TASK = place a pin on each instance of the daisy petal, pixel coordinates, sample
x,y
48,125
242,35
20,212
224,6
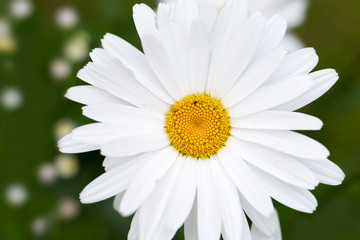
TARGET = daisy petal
x,y
117,200
126,146
208,213
277,120
208,14
258,234
145,179
191,224
275,163
299,199
136,61
300,62
102,133
182,198
254,77
326,171
89,95
153,210
248,184
292,43
245,231
134,228
288,142
185,12
68,145
229,202
199,55
121,114
101,57
294,12
232,15
323,81
230,60
112,182
120,82
161,64
272,95
144,18
173,202
274,32
266,225
174,41
111,162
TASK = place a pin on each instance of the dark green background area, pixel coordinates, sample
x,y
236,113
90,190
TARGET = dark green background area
x,y
27,141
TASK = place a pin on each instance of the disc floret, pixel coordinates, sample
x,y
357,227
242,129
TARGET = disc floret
x,y
197,125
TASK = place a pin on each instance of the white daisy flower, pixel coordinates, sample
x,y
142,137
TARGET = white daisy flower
x,y
199,129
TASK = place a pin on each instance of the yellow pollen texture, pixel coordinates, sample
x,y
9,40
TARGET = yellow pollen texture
x,y
198,125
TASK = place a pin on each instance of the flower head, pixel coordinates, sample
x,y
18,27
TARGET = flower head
x,y
198,129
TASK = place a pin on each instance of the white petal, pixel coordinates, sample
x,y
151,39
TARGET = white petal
x,y
326,171
245,180
174,41
323,81
117,201
232,15
300,62
91,95
254,76
119,81
208,14
126,146
145,180
144,18
153,210
272,95
185,12
134,228
199,55
277,120
162,232
267,225
161,64
102,133
169,205
208,208
274,32
136,61
191,224
111,162
285,141
183,195
229,201
294,12
230,60
297,198
257,234
112,182
121,114
101,57
245,231
275,163
68,145
291,42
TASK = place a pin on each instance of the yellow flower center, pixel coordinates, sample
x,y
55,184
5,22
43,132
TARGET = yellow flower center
x,y
197,125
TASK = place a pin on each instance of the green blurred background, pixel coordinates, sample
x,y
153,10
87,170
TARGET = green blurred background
x,y
44,44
